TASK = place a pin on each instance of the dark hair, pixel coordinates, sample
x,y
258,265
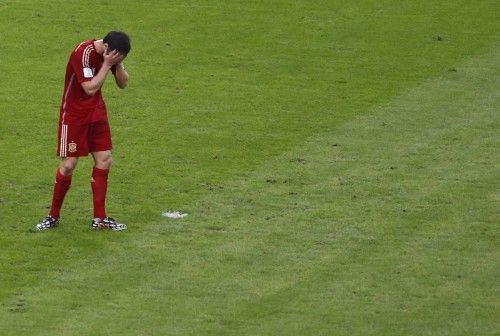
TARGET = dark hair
x,y
119,41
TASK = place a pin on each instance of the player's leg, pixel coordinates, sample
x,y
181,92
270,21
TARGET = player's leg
x,y
62,184
71,145
101,152
99,181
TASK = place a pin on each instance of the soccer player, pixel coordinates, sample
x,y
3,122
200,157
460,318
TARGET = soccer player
x,y
83,123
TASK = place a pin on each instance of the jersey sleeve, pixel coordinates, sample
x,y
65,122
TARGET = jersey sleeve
x,y
80,62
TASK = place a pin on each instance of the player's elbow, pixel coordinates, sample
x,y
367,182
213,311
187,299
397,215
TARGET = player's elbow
x,y
90,92
121,82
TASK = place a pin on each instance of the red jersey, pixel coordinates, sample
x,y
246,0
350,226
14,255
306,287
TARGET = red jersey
x,y
77,107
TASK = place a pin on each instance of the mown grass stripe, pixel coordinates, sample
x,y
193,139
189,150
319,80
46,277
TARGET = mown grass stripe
x,y
322,259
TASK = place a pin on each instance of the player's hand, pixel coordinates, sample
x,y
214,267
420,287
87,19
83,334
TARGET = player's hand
x,y
112,57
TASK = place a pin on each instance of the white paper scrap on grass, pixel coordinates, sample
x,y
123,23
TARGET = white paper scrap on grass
x,y
174,214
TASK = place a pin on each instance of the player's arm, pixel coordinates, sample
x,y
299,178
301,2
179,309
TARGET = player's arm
x,y
121,75
92,86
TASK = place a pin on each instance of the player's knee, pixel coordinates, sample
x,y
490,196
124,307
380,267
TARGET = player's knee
x,y
67,166
105,162
109,161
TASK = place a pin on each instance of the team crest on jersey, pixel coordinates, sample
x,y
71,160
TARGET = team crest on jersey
x,y
72,147
88,72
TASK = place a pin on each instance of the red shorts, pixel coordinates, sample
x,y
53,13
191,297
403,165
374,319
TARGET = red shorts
x,y
80,140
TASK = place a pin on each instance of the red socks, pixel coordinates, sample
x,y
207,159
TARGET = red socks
x,y
99,184
61,186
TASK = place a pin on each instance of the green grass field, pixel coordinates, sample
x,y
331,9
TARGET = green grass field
x,y
339,161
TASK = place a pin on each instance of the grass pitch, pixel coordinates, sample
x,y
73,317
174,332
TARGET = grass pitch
x,y
339,163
